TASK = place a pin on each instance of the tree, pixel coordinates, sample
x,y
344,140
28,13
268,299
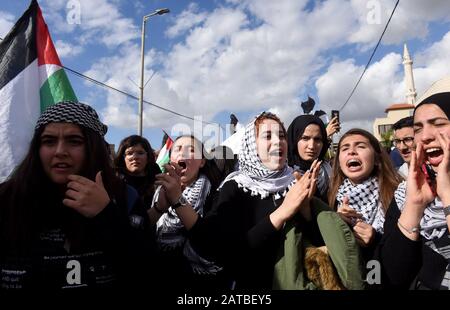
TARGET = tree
x,y
386,139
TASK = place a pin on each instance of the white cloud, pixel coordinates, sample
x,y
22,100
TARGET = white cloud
x,y
411,19
228,63
6,23
121,111
186,20
98,21
253,55
373,95
65,49
432,64
383,84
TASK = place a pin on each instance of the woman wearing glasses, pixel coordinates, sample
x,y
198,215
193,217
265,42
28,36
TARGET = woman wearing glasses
x,y
135,163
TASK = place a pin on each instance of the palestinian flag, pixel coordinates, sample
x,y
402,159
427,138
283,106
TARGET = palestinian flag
x,y
164,153
31,78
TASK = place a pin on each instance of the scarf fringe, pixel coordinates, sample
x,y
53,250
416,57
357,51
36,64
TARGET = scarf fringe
x,y
264,194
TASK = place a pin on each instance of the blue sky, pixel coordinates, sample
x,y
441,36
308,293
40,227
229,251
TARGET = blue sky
x,y
210,58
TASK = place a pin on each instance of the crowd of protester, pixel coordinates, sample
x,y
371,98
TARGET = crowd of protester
x,y
280,214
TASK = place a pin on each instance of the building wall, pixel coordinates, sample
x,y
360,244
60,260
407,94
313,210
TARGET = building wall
x,y
387,122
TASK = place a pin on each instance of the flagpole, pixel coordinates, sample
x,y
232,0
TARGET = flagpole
x,y
141,86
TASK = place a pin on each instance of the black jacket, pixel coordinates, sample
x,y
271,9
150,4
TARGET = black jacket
x,y
238,234
405,262
68,250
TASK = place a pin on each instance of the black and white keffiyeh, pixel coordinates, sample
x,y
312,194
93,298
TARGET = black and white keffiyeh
x,y
72,112
169,226
433,226
433,223
170,229
365,199
253,176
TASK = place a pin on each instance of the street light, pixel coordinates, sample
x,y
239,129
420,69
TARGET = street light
x,y
141,87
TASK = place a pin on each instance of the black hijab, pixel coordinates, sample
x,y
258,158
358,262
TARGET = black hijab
x,y
442,100
295,132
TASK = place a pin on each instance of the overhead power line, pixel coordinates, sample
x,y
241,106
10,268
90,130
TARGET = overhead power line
x,y
130,95
371,56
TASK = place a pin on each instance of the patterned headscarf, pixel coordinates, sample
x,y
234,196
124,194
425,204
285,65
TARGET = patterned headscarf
x,y
253,176
72,112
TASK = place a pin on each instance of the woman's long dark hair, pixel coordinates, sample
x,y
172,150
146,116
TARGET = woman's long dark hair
x,y
133,140
28,191
146,189
388,178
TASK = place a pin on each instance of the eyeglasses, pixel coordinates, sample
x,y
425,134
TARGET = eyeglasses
x,y
408,141
136,153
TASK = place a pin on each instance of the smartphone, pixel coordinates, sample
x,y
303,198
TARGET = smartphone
x,y
335,113
431,175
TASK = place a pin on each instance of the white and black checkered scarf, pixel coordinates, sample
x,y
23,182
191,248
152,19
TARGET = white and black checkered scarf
x,y
253,176
170,232
433,226
365,199
169,227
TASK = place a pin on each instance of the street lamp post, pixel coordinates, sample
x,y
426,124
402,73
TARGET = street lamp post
x,y
141,87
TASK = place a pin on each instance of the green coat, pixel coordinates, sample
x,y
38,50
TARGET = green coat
x,y
289,271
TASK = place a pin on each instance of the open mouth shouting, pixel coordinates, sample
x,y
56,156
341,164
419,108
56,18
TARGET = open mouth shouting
x,y
183,165
354,165
434,155
276,153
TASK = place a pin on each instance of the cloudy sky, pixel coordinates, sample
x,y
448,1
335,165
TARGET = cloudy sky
x,y
210,58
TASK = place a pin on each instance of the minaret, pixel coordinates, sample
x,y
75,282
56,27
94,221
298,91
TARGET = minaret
x,y
409,78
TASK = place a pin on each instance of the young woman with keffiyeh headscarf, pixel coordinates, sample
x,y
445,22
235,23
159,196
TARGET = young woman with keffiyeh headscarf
x,y
362,187
243,231
416,241
308,141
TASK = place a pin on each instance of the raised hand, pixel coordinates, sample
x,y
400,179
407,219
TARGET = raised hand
x,y
293,200
333,126
86,197
418,190
348,214
363,232
170,182
443,173
315,168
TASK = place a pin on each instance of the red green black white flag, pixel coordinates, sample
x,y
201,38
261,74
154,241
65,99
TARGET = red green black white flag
x,y
31,79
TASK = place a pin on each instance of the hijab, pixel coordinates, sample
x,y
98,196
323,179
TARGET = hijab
x,y
295,132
